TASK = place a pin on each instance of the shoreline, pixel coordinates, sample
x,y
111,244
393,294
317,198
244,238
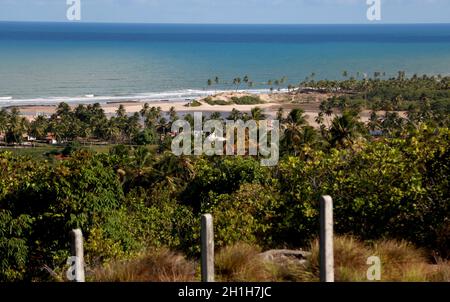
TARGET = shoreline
x,y
270,108
309,102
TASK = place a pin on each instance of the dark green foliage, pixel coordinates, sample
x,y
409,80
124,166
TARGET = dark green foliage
x,y
70,148
146,137
212,102
247,100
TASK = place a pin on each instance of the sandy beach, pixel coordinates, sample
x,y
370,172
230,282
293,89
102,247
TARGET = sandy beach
x,y
309,102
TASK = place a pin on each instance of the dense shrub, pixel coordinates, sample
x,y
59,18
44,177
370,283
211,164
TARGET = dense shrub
x,y
385,189
247,215
48,202
247,100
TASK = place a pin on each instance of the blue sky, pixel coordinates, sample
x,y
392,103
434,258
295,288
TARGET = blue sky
x,y
228,11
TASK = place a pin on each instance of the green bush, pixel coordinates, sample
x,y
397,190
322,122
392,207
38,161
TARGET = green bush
x,y
396,188
247,215
247,100
47,202
212,102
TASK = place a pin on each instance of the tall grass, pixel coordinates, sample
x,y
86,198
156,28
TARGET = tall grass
x,y
400,262
159,265
241,263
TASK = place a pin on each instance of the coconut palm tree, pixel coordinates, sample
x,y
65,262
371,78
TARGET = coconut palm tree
x,y
16,126
237,82
257,114
3,120
216,116
209,82
270,84
39,127
277,83
234,115
216,81
344,129
173,114
293,127
246,79
145,109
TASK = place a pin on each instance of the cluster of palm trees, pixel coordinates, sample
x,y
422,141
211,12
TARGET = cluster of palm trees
x,y
13,125
238,81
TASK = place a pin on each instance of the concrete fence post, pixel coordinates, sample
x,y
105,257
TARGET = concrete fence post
x,y
78,255
207,237
326,240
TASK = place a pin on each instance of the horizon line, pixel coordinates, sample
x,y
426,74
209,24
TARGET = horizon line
x,y
183,23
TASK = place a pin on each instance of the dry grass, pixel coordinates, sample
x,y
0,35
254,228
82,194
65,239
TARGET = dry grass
x,y
350,256
240,263
155,266
400,262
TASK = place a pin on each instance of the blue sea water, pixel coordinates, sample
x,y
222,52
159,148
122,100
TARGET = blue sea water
x,y
52,62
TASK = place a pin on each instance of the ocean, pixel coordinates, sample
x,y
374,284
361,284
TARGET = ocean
x,y
44,63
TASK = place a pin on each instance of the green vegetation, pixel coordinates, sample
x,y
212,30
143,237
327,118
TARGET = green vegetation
x,y
138,201
212,102
194,103
247,100
244,100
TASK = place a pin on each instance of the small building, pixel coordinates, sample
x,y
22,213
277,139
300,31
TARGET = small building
x,y
51,139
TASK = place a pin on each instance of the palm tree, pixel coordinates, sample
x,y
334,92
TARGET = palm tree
x,y
63,109
297,116
293,127
3,120
216,81
270,83
344,129
237,82
209,82
216,116
246,79
16,126
172,171
320,118
121,111
257,114
173,114
38,127
234,115
144,110
277,83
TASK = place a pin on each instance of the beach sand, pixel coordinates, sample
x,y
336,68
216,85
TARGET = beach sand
x,y
309,102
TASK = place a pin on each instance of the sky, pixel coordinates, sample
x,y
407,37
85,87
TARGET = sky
x,y
229,11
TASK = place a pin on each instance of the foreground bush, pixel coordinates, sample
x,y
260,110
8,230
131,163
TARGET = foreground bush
x,y
395,188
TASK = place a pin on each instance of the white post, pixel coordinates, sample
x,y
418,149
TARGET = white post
x,y
326,240
78,253
207,237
